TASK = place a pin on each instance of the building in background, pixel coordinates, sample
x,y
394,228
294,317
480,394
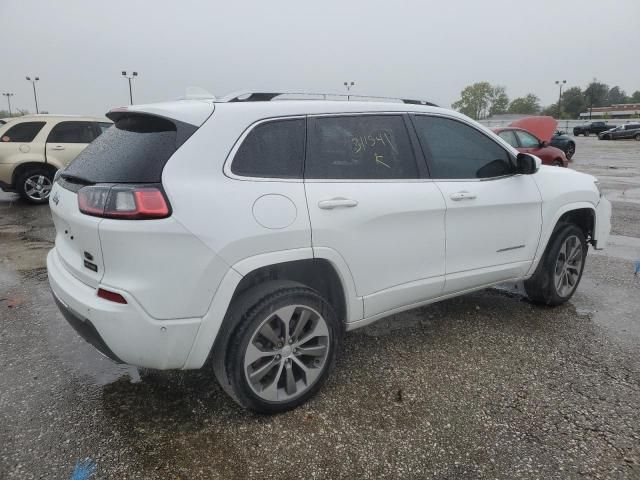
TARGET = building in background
x,y
620,110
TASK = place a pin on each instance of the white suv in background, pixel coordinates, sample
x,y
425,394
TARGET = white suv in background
x,y
248,234
34,147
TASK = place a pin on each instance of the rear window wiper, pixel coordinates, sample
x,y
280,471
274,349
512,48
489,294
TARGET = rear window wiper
x,y
76,179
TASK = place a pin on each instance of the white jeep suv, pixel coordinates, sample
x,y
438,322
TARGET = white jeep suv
x,y
248,234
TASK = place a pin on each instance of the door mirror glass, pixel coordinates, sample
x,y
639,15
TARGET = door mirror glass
x,y
527,164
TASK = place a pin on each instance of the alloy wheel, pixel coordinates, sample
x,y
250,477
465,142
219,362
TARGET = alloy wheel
x,y
37,187
287,353
568,266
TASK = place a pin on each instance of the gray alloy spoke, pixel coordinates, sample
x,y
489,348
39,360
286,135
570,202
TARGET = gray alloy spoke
x,y
270,391
577,250
314,351
285,315
279,367
303,319
319,329
270,334
259,374
310,373
290,380
254,354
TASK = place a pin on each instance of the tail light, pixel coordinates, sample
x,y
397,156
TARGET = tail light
x,y
127,202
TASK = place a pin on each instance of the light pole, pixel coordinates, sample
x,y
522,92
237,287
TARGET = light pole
x,y
130,77
35,96
8,95
348,86
561,83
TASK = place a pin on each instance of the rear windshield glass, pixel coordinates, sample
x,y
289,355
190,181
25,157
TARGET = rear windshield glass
x,y
134,150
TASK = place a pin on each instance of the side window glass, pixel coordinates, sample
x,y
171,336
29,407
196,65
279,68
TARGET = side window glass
x,y
71,132
103,126
457,151
23,132
366,147
527,140
509,137
272,150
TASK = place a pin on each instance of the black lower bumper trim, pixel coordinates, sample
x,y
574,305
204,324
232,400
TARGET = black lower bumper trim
x,y
86,330
6,187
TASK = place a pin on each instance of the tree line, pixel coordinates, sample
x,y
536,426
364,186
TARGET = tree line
x,y
482,100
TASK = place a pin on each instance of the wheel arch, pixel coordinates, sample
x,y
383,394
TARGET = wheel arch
x,y
582,214
23,167
300,266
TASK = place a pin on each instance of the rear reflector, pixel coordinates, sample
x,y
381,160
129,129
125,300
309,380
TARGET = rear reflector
x,y
127,202
111,296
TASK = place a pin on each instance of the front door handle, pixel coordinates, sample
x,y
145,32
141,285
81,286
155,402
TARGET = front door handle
x,y
57,147
462,196
336,203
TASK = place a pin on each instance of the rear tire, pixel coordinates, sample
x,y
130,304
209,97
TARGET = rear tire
x,y
273,362
34,185
586,134
560,270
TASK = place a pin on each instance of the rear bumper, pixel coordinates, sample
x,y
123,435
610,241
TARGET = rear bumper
x,y
6,174
124,333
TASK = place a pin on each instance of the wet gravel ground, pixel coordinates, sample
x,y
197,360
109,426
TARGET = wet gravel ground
x,y
485,385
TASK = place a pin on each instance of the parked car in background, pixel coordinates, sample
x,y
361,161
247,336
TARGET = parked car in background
x,y
34,147
593,127
532,135
247,235
630,130
565,143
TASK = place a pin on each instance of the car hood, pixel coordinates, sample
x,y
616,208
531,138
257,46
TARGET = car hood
x,y
541,127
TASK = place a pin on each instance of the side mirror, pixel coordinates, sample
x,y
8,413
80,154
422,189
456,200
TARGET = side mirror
x,y
527,164
544,143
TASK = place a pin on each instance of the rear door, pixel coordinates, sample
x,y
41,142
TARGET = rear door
x,y
370,201
493,216
67,139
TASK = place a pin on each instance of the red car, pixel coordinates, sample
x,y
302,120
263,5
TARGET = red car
x,y
532,135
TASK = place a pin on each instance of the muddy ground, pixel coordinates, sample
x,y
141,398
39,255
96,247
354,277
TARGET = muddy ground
x,y
485,385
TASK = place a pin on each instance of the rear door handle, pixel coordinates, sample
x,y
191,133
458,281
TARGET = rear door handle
x,y
57,147
337,202
462,196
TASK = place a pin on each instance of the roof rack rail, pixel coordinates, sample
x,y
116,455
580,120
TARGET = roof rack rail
x,y
251,96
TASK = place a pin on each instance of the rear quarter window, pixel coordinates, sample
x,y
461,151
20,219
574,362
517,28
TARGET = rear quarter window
x,y
23,132
274,149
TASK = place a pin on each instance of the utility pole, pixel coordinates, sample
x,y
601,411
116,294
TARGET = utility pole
x,y
8,95
35,96
130,77
348,86
558,82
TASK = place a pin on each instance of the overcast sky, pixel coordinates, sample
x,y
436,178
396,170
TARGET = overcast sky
x,y
419,49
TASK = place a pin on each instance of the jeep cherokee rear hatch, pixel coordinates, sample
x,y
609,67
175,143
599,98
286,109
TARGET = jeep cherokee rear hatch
x,y
118,176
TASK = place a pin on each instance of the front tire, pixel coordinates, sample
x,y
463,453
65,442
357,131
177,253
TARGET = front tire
x,y
560,270
571,151
35,185
283,348
637,137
